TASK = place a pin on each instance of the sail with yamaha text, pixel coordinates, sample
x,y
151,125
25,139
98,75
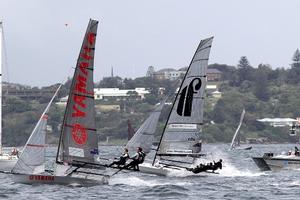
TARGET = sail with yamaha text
x,y
79,140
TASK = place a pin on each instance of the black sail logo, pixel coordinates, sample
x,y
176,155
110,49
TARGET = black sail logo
x,y
184,107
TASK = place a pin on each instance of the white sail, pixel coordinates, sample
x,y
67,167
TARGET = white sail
x,y
144,136
32,158
1,63
233,142
181,136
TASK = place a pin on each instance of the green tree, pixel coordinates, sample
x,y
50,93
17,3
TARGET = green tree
x,y
261,90
245,71
294,72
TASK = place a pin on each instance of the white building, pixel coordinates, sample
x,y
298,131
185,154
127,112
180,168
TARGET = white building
x,y
102,93
116,93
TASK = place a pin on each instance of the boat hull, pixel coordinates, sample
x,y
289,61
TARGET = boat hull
x,y
277,162
59,180
7,163
149,169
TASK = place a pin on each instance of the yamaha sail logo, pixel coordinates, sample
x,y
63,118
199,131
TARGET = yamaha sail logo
x,y
184,107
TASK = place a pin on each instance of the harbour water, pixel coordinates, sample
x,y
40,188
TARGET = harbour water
x,y
239,179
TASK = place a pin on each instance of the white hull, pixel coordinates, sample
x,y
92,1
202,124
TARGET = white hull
x,y
7,162
59,180
283,162
278,162
159,169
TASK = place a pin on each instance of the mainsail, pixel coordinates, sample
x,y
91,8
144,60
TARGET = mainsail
x,y
1,40
234,142
181,136
78,140
144,136
32,158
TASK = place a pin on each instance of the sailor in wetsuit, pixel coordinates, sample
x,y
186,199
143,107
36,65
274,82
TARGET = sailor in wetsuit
x,y
204,168
122,160
137,159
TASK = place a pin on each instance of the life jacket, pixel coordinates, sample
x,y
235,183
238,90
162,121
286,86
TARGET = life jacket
x,y
142,156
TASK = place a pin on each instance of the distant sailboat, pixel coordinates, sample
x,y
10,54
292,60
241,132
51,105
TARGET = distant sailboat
x,y
144,136
180,142
76,160
130,130
7,161
235,143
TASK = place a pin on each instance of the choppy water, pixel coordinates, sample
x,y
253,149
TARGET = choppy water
x,y
240,179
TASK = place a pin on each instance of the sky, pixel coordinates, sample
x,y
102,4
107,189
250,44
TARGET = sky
x,y
134,34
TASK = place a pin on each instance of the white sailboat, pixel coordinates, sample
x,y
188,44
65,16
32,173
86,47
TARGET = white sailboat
x,y
235,143
76,160
7,161
180,142
144,136
32,158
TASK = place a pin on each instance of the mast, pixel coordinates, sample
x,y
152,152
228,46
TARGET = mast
x,y
181,135
1,63
232,145
78,139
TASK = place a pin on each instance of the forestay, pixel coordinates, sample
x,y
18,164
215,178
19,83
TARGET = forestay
x,y
181,136
78,139
32,158
144,136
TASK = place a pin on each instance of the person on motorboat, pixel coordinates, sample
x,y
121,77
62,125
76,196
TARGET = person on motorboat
x,y
297,153
122,160
137,159
15,152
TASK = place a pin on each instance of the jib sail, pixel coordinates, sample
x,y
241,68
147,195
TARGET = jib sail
x,y
32,158
144,136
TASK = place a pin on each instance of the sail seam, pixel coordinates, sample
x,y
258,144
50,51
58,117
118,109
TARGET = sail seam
x,y
90,129
82,95
202,59
203,48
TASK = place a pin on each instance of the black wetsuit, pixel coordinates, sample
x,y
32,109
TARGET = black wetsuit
x,y
122,160
138,159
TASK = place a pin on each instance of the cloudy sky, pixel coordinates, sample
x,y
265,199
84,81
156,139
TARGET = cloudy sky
x,y
134,34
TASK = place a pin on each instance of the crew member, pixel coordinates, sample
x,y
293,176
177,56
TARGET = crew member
x,y
122,160
297,153
137,159
15,152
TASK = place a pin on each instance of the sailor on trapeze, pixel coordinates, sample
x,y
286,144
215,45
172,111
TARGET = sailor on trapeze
x,y
208,166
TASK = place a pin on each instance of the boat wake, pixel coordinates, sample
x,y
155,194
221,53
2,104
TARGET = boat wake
x,y
231,171
137,181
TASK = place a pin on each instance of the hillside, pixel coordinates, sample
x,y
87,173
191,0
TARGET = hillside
x,y
262,91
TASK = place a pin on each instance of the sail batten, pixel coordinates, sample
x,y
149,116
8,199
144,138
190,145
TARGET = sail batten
x,y
78,139
181,135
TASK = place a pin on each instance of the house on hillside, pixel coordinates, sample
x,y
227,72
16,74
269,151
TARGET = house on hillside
x,y
213,75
